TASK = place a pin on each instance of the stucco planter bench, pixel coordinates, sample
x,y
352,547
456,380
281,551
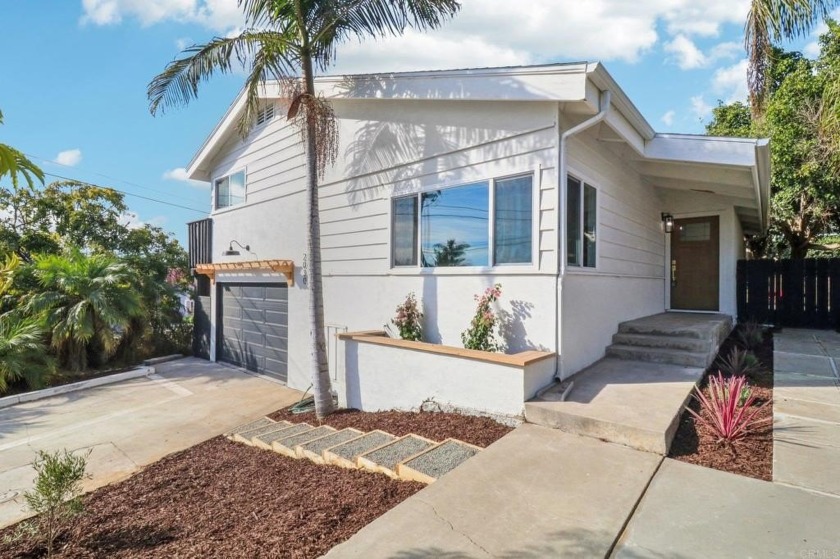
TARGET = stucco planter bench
x,y
383,373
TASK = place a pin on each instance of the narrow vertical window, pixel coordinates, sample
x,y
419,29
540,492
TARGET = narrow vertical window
x,y
590,209
573,221
513,221
404,241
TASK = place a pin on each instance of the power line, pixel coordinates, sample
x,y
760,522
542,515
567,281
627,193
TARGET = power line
x,y
106,177
127,193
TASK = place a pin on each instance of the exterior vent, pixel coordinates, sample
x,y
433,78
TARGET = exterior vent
x,y
265,114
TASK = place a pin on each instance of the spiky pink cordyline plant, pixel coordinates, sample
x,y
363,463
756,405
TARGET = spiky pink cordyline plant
x,y
730,419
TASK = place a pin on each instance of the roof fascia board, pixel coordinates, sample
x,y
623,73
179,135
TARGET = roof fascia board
x,y
194,170
702,149
604,81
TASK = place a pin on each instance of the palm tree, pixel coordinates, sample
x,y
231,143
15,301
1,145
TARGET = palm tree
x,y
287,41
771,21
23,353
14,163
87,303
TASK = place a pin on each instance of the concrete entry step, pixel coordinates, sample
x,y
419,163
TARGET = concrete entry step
x,y
429,465
663,342
660,355
385,458
633,403
703,326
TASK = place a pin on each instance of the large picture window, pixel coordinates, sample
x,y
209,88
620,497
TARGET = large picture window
x,y
230,190
581,223
478,224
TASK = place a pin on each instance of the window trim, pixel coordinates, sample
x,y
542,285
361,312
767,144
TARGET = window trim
x,y
491,247
584,182
215,193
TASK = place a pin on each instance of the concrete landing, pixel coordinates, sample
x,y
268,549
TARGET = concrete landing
x,y
694,512
536,492
632,403
806,411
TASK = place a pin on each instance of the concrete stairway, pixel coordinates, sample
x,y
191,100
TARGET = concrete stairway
x,y
411,458
636,394
688,339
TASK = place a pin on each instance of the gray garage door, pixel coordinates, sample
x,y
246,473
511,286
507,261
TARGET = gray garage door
x,y
254,327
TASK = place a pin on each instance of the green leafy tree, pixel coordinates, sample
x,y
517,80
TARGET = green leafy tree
x,y
288,41
87,302
15,164
804,183
770,22
23,351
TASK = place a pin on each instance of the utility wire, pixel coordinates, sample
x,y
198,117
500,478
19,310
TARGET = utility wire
x,y
127,193
104,176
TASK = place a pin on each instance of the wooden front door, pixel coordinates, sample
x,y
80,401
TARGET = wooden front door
x,y
695,264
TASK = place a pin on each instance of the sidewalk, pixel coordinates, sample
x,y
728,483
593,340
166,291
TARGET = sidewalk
x,y
806,412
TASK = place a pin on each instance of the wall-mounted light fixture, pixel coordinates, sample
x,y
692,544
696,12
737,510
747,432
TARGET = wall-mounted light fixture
x,y
667,222
232,252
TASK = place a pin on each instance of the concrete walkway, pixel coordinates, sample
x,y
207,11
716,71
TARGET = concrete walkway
x,y
130,424
806,412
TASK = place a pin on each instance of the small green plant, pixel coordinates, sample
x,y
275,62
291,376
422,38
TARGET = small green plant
x,y
750,334
55,498
409,319
481,333
740,362
728,409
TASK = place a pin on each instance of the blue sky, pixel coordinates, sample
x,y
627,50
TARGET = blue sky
x,y
74,75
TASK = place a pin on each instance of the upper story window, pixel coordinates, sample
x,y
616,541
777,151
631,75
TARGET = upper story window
x,y
230,190
479,224
581,223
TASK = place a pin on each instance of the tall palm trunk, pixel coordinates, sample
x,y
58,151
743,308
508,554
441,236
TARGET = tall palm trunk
x,y
320,369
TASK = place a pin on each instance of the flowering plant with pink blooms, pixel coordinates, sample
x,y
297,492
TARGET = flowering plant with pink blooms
x,y
409,319
480,335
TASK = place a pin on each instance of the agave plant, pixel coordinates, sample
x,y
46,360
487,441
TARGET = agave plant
x,y
728,410
750,334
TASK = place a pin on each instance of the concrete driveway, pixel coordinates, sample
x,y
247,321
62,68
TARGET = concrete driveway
x,y
130,424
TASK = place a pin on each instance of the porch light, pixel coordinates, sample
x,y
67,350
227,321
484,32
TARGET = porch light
x,y
233,252
667,222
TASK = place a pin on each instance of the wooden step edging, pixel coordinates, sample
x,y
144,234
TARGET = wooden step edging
x,y
267,435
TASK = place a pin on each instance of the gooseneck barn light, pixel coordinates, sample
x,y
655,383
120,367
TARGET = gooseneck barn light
x,y
233,252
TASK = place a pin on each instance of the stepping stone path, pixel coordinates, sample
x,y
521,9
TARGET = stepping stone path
x,y
412,457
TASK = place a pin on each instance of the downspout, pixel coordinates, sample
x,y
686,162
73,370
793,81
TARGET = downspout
x,y
603,110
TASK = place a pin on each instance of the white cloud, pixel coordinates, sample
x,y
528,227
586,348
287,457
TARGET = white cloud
x,y
180,174
731,82
485,32
69,158
668,118
700,108
686,54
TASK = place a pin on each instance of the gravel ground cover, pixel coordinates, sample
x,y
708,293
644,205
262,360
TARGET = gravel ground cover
x,y
351,449
436,426
268,438
320,445
265,429
261,422
306,436
442,459
389,456
752,456
224,499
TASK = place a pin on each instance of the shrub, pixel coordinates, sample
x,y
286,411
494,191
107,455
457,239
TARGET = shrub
x,y
409,319
750,334
55,498
480,335
729,410
740,362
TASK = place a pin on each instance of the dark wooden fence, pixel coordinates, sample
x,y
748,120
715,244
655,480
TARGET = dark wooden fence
x,y
200,237
794,293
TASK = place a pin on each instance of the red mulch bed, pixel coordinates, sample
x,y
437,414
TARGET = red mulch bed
x,y
223,499
437,426
753,455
